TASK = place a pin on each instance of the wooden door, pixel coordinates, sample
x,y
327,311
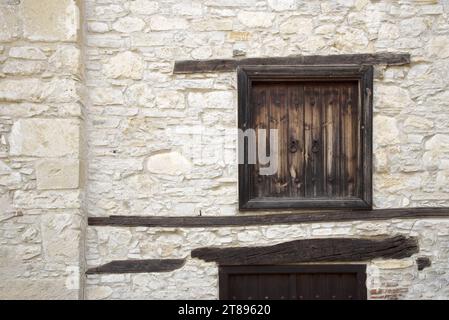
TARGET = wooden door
x,y
311,282
318,135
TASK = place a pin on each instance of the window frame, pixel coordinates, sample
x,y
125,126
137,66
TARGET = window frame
x,y
363,74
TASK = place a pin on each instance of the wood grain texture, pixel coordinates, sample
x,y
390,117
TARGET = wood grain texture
x,y
324,160
312,250
293,282
229,65
138,266
270,219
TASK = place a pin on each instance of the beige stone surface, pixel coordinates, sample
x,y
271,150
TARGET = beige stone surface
x,y
45,138
385,130
159,144
30,53
57,174
255,19
61,238
50,20
128,24
124,65
10,23
171,163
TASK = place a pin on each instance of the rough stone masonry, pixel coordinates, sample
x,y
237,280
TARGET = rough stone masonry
x,y
94,123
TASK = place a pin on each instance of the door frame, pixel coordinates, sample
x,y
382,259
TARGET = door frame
x,y
358,269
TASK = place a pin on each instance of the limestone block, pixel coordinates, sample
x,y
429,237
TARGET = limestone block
x,y
106,96
124,65
388,31
412,27
44,138
47,199
12,180
61,237
4,168
66,59
57,174
392,97
282,5
116,242
139,94
146,7
239,36
418,124
10,24
231,3
214,24
21,90
98,292
439,47
219,100
61,90
22,67
393,264
30,53
201,53
297,25
50,20
439,143
255,19
128,24
170,100
188,8
170,163
161,23
385,130
37,289
99,27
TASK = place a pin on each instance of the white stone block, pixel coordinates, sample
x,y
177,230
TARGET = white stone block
x,y
57,174
128,24
44,138
124,65
256,19
170,163
30,53
50,20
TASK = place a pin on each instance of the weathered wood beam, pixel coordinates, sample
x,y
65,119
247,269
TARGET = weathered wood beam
x,y
138,266
271,219
312,250
229,65
423,262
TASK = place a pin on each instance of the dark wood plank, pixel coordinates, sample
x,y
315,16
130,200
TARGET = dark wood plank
x,y
312,250
293,282
229,65
270,219
295,161
423,262
308,140
138,266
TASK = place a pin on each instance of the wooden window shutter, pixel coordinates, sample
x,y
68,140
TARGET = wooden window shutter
x,y
323,118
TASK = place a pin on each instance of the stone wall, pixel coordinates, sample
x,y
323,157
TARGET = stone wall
x,y
158,143
152,143
157,140
41,218
386,279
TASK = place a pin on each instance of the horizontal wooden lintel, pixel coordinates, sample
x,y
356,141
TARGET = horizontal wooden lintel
x,y
268,219
312,250
229,65
138,266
